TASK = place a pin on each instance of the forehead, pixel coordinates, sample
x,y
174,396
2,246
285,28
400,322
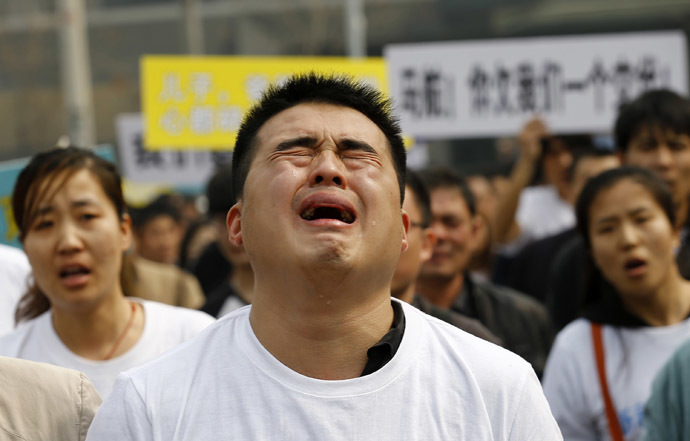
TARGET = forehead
x,y
321,120
71,184
448,200
622,197
655,131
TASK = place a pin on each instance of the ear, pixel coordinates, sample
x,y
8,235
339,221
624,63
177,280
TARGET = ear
x,y
234,224
126,230
406,229
428,243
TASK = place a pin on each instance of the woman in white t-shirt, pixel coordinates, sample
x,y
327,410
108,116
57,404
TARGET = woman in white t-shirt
x,y
600,370
69,208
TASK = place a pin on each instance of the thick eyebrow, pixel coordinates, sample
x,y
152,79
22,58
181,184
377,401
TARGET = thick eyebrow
x,y
353,144
304,141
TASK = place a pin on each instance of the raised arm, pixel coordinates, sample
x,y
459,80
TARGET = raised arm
x,y
504,226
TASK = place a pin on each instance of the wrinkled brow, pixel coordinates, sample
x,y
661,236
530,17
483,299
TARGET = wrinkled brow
x,y
302,141
312,142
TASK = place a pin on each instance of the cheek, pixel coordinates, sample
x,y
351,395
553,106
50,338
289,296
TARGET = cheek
x,y
644,160
36,251
603,256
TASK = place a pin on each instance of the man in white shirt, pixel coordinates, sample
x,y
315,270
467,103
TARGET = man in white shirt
x,y
324,352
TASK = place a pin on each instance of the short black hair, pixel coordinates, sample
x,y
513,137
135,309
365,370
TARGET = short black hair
x,y
660,108
648,179
219,191
421,196
444,177
163,205
311,87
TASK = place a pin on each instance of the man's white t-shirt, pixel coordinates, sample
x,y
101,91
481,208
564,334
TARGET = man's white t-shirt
x,y
165,327
441,384
633,357
541,213
14,276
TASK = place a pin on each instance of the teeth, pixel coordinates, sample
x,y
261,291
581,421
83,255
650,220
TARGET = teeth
x,y
343,215
346,216
308,214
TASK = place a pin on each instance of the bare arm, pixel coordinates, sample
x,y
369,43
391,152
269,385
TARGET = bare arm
x,y
504,225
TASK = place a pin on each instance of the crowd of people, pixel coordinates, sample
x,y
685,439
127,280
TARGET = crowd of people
x,y
329,292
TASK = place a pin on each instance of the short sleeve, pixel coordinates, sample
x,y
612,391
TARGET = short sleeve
x,y
122,416
564,391
533,420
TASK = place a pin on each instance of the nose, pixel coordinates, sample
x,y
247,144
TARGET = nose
x,y
439,231
628,237
327,169
69,240
664,157
566,159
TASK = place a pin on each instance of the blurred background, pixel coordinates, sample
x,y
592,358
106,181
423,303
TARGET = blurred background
x,y
42,64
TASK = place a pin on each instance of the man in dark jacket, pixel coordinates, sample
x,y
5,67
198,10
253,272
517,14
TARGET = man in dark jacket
x,y
519,321
420,245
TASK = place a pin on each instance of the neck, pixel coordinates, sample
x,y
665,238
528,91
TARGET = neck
x,y
670,304
441,291
93,332
242,280
322,334
406,294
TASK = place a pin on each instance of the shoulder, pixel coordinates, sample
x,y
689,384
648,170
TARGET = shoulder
x,y
495,380
576,334
66,395
572,346
478,355
169,316
12,344
13,255
20,375
208,340
14,266
508,298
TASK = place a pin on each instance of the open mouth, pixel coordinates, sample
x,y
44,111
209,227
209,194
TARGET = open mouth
x,y
74,271
635,266
341,214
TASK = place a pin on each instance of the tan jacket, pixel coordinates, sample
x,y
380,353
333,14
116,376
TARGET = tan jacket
x,y
39,401
161,282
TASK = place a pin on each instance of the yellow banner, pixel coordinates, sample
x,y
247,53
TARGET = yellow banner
x,y
199,102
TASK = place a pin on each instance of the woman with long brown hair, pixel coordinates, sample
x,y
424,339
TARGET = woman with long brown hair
x,y
74,227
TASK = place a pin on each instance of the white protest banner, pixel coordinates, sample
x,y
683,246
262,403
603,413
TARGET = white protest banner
x,y
177,168
492,87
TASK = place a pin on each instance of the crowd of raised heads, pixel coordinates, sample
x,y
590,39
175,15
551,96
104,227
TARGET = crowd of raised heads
x,y
318,282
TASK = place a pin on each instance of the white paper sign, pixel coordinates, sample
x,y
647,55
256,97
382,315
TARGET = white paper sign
x,y
173,167
492,87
